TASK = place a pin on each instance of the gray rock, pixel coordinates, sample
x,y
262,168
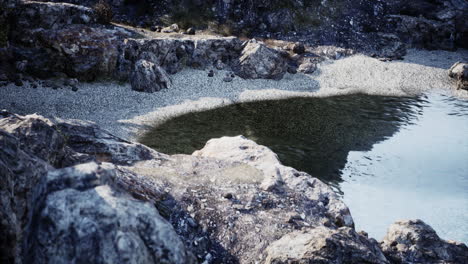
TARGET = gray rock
x,y
325,245
149,77
85,218
190,31
171,29
298,48
258,61
459,72
93,143
413,241
38,135
21,176
264,196
307,67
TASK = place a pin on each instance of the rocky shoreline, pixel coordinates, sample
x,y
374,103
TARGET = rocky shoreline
x,y
230,202
77,189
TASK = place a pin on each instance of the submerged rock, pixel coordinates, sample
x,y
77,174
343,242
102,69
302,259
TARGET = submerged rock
x,y
413,241
149,77
259,61
459,72
325,245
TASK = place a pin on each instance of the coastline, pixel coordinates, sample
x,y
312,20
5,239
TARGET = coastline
x,y
126,113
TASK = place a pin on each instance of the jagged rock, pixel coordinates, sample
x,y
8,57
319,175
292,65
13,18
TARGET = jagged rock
x,y
459,72
49,15
66,143
88,139
413,241
85,218
21,176
259,61
190,31
149,77
325,245
420,32
79,51
307,66
171,29
37,134
266,199
173,54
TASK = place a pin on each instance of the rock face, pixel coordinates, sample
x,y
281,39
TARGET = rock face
x,y
148,77
459,72
414,241
259,61
68,143
20,175
86,219
324,245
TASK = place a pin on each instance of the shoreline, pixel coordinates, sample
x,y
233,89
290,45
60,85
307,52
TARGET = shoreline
x,y
127,113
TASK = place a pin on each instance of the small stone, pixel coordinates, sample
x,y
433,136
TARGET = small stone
x,y
190,31
298,48
74,88
71,82
18,82
153,28
192,222
34,86
211,73
227,78
228,196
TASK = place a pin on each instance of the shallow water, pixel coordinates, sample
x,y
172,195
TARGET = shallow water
x,y
391,158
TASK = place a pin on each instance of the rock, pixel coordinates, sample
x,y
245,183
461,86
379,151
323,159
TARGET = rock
x,y
220,65
86,218
425,33
99,145
324,245
171,29
71,82
298,48
148,77
413,241
48,15
307,66
228,78
210,73
21,176
74,88
258,61
190,31
459,72
173,54
38,135
18,82
65,143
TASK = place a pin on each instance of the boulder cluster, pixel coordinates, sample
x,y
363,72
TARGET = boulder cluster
x,y
52,39
73,193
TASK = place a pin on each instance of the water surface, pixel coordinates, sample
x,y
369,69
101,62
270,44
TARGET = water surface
x,y
391,158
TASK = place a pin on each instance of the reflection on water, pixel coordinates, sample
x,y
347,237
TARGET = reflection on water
x,y
379,152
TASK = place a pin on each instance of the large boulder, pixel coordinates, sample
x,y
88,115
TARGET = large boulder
x,y
149,77
459,72
325,245
258,61
413,241
21,176
233,198
86,219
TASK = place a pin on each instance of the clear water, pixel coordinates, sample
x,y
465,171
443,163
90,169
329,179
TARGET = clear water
x,y
390,158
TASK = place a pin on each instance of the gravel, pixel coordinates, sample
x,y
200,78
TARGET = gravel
x,y
127,113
